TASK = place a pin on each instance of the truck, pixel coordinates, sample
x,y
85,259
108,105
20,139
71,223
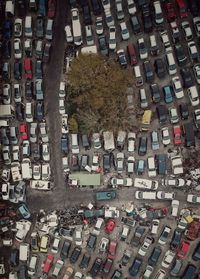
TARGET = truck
x,y
15,172
40,185
105,195
109,144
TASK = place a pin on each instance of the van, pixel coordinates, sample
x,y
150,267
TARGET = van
x,y
146,120
140,195
32,265
24,249
91,243
154,47
98,226
171,65
189,134
39,49
145,183
143,98
160,274
138,76
28,27
125,232
132,54
49,30
75,144
76,27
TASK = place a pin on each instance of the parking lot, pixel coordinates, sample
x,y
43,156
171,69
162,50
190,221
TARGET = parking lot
x,y
46,200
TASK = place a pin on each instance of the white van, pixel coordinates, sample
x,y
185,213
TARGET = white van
x,y
138,76
76,27
143,98
28,27
26,168
24,249
171,65
151,166
145,183
75,145
97,227
49,30
32,265
140,195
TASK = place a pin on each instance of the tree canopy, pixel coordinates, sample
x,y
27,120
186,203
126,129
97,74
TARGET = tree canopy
x,y
98,88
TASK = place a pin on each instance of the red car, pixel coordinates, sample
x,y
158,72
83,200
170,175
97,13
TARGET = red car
x,y
48,263
23,129
110,225
112,249
183,250
28,68
51,8
170,12
182,8
132,54
108,265
177,135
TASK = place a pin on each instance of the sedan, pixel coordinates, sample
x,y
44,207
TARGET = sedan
x,y
17,49
124,31
120,162
6,94
196,70
186,77
45,152
168,259
166,140
62,106
177,87
135,267
196,115
164,235
175,271
122,58
6,155
177,135
162,195
148,71
187,30
183,250
36,171
173,115
103,44
143,53
112,38
154,257
145,246
18,27
193,198
23,129
46,53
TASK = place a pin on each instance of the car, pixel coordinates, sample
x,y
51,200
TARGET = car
x,y
173,115
196,253
145,246
186,77
6,71
196,115
131,7
193,52
62,106
140,166
119,10
45,152
122,58
4,137
48,263
17,49
109,18
190,272
46,172
148,71
143,52
39,27
6,48
75,255
183,250
165,232
176,267
177,87
39,111
168,258
166,140
139,232
18,27
120,162
154,140
112,38
24,211
124,31
168,94
17,70
86,14
96,267
46,52
7,29
147,22
193,95
160,67
135,267
187,30
175,32
196,70
85,261
6,94
162,114
177,135
103,44
33,133
106,162
65,249
184,111
115,182
78,275
131,142
105,195
89,35
136,25
176,239
36,171
64,144
170,11
180,55
51,8
165,195
108,265
28,74
110,225
28,47
196,23
155,92
68,34
97,8
57,268
68,273
5,191
142,149
17,93
43,132
6,155
23,129
112,249
154,257
193,198
38,70
28,90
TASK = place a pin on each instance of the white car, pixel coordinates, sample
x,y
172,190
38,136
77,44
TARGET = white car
x,y
159,19
162,195
165,136
17,49
6,155
36,171
95,163
177,165
193,198
43,132
148,272
25,148
78,237
46,171
173,115
68,34
177,87
76,27
196,70
166,41
151,164
89,35
124,31
6,94
62,106
193,52
18,27
131,141
164,235
112,38
143,53
109,18
119,8
17,93
29,112
103,244
121,181
62,91
120,162
193,95
168,258
78,275
57,268
145,246
154,226
196,22
130,165
99,25
5,191
175,207
106,4
179,182
45,152
33,132
187,30
131,7
15,153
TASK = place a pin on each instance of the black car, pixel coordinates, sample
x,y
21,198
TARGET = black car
x,y
148,23
39,111
187,77
162,114
39,27
85,261
126,257
18,70
160,67
135,267
38,69
14,257
6,71
103,44
139,232
148,71
23,272
6,47
135,23
19,111
29,90
75,255
35,151
153,259
65,250
193,7
87,15
21,8
46,53
7,29
176,239
96,267
155,92
106,162
142,148
196,253
64,144
184,111
180,55
96,6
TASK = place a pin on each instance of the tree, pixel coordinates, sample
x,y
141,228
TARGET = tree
x,y
98,88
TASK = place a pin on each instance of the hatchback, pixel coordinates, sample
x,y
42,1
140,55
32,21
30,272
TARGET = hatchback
x,y
167,92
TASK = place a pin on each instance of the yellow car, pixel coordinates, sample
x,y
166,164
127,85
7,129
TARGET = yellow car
x,y
44,243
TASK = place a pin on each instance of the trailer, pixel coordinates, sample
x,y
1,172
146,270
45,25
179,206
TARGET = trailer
x,y
109,143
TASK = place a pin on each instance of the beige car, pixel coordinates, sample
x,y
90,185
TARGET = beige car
x,y
69,272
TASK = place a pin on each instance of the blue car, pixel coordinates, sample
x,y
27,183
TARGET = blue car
x,y
168,97
134,269
42,8
7,29
140,166
24,211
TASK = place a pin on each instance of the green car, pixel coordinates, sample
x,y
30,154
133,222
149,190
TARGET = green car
x,y
107,195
